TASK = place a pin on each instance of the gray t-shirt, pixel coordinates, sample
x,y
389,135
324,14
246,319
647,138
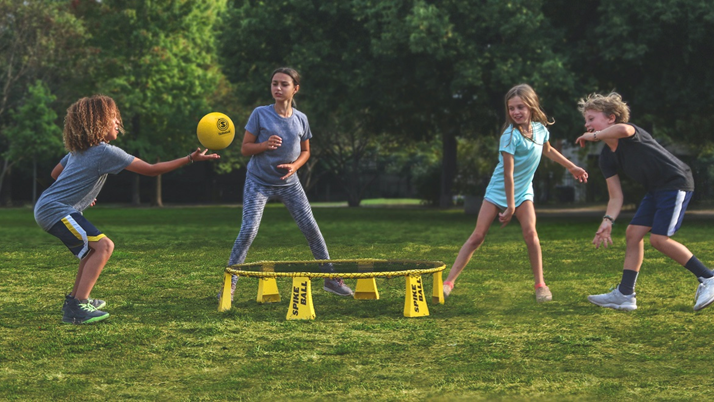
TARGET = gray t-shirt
x,y
263,123
79,183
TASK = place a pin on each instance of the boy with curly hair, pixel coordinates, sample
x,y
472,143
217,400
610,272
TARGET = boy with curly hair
x,y
91,123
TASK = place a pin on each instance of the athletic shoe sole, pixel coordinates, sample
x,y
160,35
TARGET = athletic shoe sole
x,y
325,288
89,321
615,306
704,306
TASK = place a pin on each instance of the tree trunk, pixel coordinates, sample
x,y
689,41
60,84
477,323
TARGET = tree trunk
x,y
448,171
34,180
157,200
5,168
136,188
7,189
136,191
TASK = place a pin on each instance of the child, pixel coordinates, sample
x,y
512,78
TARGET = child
x,y
277,138
669,185
90,124
510,190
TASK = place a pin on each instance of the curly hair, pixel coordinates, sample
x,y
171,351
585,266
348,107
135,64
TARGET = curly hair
x,y
88,121
611,104
530,99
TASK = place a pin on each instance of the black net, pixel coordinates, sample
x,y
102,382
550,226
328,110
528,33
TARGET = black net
x,y
346,268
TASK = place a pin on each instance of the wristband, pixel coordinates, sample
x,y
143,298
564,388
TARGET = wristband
x,y
595,135
190,159
609,218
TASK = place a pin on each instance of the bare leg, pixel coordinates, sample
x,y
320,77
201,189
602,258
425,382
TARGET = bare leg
x,y
635,250
91,266
486,215
671,248
82,262
527,218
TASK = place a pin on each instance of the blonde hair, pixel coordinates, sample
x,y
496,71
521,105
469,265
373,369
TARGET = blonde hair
x,y
611,104
88,121
530,99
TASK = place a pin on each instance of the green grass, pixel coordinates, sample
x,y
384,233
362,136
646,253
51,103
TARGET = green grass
x,y
165,339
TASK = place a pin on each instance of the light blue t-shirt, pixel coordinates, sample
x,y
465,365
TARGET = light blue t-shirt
x,y
526,157
79,183
263,123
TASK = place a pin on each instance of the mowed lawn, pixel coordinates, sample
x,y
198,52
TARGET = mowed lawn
x,y
165,339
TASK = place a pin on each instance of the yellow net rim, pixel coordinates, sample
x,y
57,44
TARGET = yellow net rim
x,y
236,269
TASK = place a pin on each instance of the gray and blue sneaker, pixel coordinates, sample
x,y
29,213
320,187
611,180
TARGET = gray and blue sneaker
x,y
338,287
97,303
82,312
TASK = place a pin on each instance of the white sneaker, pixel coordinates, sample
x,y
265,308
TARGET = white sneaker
x,y
705,293
615,300
543,294
448,287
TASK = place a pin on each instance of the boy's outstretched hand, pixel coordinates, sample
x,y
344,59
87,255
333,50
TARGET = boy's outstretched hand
x,y
199,156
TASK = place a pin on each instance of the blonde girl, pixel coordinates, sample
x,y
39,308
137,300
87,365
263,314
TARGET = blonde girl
x,y
510,191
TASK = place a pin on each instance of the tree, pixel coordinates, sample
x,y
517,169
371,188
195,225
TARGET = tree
x,y
653,53
157,60
397,70
35,133
38,40
330,48
451,62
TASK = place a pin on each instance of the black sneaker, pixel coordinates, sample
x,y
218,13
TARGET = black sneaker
x,y
94,302
76,312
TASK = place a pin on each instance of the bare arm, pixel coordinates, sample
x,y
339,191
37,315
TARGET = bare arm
x,y
251,147
56,171
578,173
610,135
505,216
603,236
147,169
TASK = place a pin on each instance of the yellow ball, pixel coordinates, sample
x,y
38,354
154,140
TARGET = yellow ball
x,y
215,131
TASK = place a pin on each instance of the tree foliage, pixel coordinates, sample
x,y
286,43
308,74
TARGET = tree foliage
x,y
35,133
157,60
379,77
396,70
39,40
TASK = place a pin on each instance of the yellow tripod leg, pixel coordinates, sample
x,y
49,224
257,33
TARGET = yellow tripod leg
x,y
437,293
414,300
301,307
267,291
224,303
366,289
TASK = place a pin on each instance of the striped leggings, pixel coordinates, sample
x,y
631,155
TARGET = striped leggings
x,y
255,196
